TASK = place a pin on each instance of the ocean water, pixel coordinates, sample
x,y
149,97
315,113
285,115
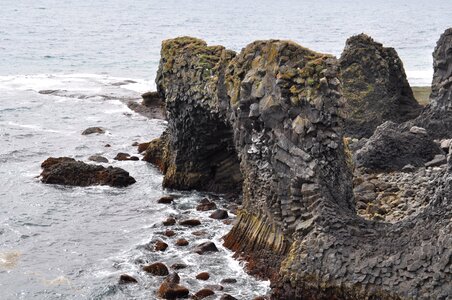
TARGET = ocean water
x,y
61,242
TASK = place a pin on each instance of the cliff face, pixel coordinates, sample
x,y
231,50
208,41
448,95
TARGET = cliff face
x,y
274,108
437,117
375,87
197,150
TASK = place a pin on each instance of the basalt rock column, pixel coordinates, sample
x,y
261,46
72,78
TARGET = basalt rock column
x,y
374,86
196,151
284,103
437,117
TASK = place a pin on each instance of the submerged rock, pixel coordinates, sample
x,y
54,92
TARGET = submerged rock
x,y
68,171
126,279
98,158
204,293
157,269
91,130
374,86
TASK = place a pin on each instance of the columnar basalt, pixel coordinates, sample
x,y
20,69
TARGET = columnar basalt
x,y
437,117
278,103
198,148
375,87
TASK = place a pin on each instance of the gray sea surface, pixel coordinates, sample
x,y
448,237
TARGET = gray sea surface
x,y
61,242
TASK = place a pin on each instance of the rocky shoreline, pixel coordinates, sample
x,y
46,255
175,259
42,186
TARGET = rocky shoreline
x,y
344,178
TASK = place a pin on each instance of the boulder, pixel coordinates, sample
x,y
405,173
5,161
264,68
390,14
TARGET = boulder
x,y
125,156
169,221
68,171
182,242
437,116
91,130
157,269
204,293
219,214
142,147
152,99
391,148
126,279
205,247
160,245
190,222
165,200
98,158
374,86
228,281
205,205
203,276
169,233
227,297
179,266
171,289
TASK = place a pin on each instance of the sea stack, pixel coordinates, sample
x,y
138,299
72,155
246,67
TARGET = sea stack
x,y
374,86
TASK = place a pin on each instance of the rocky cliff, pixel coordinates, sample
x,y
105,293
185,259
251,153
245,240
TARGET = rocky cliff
x,y
374,86
437,117
270,115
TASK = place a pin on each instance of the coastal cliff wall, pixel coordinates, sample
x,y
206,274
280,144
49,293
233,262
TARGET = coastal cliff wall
x,y
275,106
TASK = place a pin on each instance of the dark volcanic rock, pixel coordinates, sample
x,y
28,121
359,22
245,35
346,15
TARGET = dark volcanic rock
x,y
126,279
160,245
227,297
169,221
157,269
205,205
68,171
125,156
152,99
190,80
179,266
374,86
182,242
203,276
190,222
92,130
437,117
206,247
165,200
219,214
171,289
204,293
142,147
392,148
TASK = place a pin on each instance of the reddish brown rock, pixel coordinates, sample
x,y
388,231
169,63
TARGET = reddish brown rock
x,y
142,147
126,279
171,289
182,242
219,214
160,246
205,205
125,156
199,233
156,269
190,222
204,293
178,266
91,130
169,233
228,281
203,276
169,221
227,297
206,247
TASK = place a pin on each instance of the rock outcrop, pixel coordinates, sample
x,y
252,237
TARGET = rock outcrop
x,y
68,171
437,117
374,86
391,148
277,104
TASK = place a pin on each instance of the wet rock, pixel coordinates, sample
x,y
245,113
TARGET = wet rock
x,y
134,144
156,269
190,222
214,287
142,147
418,130
227,297
68,171
391,148
205,248
126,279
261,298
228,281
169,233
152,99
204,293
171,289
152,106
107,145
169,221
165,200
160,246
91,130
375,87
125,156
199,233
182,242
98,158
179,266
219,214
205,205
203,276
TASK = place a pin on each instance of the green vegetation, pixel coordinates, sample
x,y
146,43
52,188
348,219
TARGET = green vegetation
x,y
422,94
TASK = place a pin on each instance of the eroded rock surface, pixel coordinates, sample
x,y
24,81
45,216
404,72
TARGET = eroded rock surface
x,y
374,86
279,103
68,171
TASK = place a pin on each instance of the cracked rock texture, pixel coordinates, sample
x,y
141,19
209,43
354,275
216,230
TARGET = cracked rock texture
x,y
272,113
374,86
